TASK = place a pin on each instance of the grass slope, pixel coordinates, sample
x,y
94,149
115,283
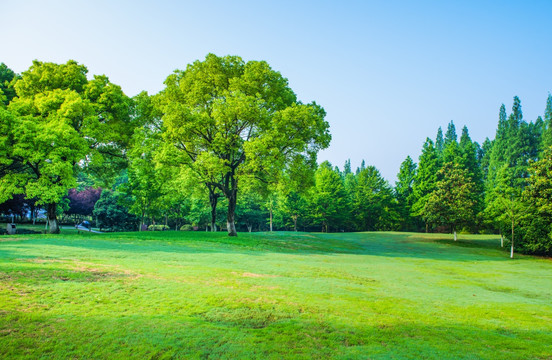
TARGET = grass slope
x,y
274,296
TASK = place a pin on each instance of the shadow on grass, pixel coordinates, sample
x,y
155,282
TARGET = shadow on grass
x,y
387,244
140,336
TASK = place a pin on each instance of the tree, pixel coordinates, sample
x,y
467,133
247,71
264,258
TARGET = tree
x,y
451,202
450,135
468,160
403,191
372,203
547,127
82,202
111,214
426,178
331,207
7,80
537,225
439,142
233,122
59,122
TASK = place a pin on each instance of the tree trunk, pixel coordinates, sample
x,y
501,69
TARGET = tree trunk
x,y
295,223
270,211
232,199
501,240
213,200
455,237
249,228
512,248
52,218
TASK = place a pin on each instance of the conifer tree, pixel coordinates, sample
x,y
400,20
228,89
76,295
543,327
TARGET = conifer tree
x,y
425,179
547,126
450,136
451,202
439,142
403,192
331,207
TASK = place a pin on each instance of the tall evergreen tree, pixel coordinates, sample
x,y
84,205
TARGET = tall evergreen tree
x,y
451,136
426,178
486,150
469,162
451,202
7,82
331,207
547,126
439,142
403,192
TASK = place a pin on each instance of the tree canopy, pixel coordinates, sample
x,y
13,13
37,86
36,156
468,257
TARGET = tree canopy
x,y
232,121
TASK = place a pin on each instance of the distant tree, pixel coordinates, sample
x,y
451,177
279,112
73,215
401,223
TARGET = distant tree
x,y
451,202
404,191
486,150
82,202
469,161
373,205
547,126
450,135
425,180
439,142
331,207
7,81
232,121
293,205
110,214
537,225
16,206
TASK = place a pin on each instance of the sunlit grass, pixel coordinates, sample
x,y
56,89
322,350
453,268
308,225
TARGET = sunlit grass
x,y
280,295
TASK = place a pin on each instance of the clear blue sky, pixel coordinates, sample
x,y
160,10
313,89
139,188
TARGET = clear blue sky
x,y
388,73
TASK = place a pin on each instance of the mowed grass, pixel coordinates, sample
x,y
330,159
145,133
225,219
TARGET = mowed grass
x,y
163,295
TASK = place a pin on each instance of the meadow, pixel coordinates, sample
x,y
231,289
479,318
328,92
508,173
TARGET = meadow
x,y
282,295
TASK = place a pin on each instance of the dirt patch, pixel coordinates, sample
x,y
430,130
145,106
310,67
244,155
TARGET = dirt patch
x,y
253,275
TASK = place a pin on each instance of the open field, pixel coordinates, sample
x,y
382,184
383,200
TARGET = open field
x,y
281,295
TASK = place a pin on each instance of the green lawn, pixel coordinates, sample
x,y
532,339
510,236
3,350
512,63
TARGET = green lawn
x,y
271,296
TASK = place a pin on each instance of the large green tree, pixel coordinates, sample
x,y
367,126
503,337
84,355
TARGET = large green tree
x,y
451,202
60,122
233,121
425,180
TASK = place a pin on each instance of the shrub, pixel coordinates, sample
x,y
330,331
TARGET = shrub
x,y
158,227
186,227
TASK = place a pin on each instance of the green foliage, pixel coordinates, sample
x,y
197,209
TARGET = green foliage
x,y
59,122
404,192
425,180
158,228
537,226
372,202
7,81
331,206
232,121
451,202
186,227
111,214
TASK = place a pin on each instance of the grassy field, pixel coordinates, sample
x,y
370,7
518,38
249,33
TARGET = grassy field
x,y
272,296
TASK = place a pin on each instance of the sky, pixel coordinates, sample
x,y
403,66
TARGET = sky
x,y
388,73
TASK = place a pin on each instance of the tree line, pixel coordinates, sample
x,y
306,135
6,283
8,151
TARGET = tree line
x,y
227,144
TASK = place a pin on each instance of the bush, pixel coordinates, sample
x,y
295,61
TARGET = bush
x,y
158,227
186,227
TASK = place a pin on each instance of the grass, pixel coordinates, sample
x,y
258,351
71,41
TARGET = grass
x,y
163,295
